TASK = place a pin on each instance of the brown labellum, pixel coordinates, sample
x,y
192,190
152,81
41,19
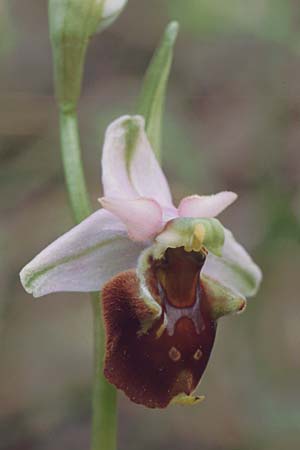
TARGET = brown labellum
x,y
153,368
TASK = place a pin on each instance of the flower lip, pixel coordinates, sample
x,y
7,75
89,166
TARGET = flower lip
x,y
157,356
153,368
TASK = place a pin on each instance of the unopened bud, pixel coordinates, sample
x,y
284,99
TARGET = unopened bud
x,y
72,24
111,10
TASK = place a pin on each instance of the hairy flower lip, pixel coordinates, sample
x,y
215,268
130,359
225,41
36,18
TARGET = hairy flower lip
x,y
183,332
156,367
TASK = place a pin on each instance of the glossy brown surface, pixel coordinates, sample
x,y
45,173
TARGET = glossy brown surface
x,y
178,275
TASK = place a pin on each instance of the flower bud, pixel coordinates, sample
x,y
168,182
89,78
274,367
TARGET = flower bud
x,y
110,12
72,24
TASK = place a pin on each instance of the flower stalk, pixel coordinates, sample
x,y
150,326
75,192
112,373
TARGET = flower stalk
x,y
72,163
72,23
104,420
104,416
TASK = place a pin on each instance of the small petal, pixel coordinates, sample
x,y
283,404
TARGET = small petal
x,y
222,300
129,166
206,205
142,216
235,268
83,258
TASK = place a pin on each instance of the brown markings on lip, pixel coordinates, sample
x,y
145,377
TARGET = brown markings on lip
x,y
140,365
198,354
178,274
174,354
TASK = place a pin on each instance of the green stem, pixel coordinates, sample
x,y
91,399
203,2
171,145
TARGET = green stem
x,y
104,394
71,156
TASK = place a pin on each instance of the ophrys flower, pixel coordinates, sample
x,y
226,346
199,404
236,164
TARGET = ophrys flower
x,y
167,273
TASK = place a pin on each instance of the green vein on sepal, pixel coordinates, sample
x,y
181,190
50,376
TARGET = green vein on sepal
x,y
29,277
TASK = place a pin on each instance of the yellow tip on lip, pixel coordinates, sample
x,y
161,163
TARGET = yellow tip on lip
x,y
189,400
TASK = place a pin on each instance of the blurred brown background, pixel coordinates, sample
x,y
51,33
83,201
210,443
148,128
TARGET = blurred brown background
x,y
232,122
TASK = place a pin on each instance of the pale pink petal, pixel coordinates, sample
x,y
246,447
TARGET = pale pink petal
x,y
83,259
142,216
115,177
129,166
206,206
145,171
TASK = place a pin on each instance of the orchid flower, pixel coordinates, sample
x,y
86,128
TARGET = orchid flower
x,y
166,274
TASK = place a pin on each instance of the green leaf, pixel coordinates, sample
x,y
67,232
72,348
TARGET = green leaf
x,y
152,98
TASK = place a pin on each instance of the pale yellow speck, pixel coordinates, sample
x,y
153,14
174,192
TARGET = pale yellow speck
x,y
197,355
174,354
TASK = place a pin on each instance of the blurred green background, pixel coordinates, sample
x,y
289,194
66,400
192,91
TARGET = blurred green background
x,y
232,122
